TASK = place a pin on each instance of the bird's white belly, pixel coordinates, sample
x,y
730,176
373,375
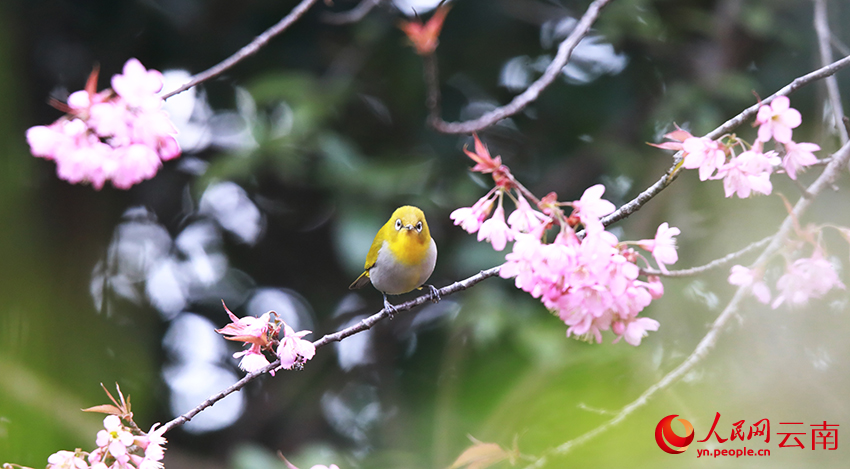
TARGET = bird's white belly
x,y
394,278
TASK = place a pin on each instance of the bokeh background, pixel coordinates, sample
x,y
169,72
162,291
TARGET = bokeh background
x,y
295,157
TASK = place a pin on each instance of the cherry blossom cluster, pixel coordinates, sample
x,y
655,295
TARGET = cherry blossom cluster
x,y
746,169
120,134
260,335
590,280
120,445
804,277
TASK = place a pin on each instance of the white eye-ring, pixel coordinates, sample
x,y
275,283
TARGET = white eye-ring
x,y
419,227
398,224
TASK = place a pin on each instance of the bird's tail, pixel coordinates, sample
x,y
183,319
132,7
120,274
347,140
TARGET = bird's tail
x,y
361,281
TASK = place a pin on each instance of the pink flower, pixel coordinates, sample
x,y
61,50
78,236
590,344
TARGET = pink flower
x,y
663,247
777,119
591,207
495,230
115,438
634,331
525,219
66,460
253,359
121,137
705,154
743,277
252,330
470,218
798,156
806,278
293,351
748,172
138,86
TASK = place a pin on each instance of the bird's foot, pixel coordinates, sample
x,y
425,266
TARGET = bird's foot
x,y
435,293
390,309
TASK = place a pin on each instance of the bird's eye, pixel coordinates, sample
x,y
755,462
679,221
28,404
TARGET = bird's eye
x,y
398,224
419,226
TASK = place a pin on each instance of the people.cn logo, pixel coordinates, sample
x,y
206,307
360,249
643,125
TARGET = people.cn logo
x,y
668,440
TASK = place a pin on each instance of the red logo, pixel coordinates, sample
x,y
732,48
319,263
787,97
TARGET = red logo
x,y
664,434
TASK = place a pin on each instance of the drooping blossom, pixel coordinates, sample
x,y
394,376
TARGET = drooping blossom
x,y
777,119
798,156
588,283
747,173
525,219
257,332
807,277
742,277
293,351
120,135
705,154
66,460
470,218
495,231
152,443
663,246
634,331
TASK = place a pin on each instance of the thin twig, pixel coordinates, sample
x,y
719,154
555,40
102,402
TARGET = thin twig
x,y
247,50
826,179
520,101
635,204
351,16
824,35
711,265
335,337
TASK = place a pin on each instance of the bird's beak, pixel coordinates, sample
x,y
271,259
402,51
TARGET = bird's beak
x,y
408,227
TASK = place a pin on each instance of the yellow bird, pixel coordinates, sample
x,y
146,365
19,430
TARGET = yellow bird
x,y
402,256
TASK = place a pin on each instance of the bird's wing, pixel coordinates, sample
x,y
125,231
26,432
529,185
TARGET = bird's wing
x,y
371,259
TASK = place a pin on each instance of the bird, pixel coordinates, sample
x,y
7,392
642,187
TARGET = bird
x,y
402,257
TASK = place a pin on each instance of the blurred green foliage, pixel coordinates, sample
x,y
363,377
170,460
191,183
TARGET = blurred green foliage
x,y
337,117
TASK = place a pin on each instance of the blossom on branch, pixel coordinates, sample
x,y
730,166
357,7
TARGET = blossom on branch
x,y
742,277
703,153
798,156
747,173
67,460
663,246
807,277
120,135
777,119
293,351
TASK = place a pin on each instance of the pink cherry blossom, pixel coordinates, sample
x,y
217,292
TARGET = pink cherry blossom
x,y
121,137
591,207
663,247
525,219
634,331
495,231
115,438
138,86
293,351
470,218
807,277
66,460
743,277
703,153
798,156
748,172
776,120
253,359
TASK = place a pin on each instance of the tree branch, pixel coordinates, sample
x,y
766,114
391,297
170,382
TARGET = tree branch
x,y
520,101
826,179
711,265
824,35
361,326
247,50
635,204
